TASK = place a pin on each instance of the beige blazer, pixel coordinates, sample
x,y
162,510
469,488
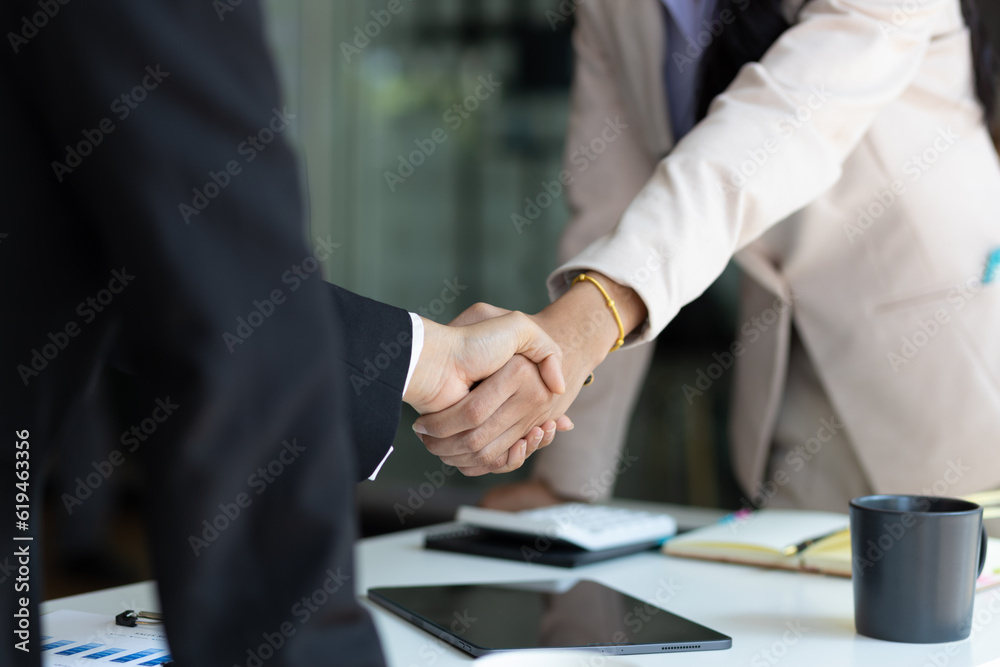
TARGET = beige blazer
x,y
852,177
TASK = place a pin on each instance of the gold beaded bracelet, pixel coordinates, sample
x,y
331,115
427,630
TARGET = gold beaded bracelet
x,y
611,305
614,311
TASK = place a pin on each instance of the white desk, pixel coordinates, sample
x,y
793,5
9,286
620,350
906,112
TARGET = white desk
x,y
754,606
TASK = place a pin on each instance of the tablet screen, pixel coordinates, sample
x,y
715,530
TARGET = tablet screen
x,y
555,614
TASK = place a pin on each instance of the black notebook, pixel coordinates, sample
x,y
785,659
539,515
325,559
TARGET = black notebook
x,y
524,548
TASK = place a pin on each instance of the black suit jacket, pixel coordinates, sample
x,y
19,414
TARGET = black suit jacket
x,y
374,360
151,214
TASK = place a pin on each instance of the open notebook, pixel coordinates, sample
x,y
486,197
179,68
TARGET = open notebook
x,y
773,538
790,539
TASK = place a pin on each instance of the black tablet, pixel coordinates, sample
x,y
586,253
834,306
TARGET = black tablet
x,y
568,614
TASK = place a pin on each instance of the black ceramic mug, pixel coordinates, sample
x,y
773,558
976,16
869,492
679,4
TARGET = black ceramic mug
x,y
915,561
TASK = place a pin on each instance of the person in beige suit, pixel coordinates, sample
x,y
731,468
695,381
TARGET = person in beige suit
x,y
850,173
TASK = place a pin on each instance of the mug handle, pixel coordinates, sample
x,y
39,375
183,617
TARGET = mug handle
x,y
982,552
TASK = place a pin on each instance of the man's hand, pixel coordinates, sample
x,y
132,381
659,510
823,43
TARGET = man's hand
x,y
486,424
455,358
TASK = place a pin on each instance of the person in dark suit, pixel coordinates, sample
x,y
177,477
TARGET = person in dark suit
x,y
153,219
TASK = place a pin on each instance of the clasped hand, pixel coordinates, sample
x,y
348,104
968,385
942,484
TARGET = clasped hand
x,y
529,369
517,405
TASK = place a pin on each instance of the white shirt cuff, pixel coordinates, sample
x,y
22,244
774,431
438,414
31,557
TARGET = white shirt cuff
x,y
416,347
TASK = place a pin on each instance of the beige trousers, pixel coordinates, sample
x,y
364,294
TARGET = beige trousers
x,y
812,463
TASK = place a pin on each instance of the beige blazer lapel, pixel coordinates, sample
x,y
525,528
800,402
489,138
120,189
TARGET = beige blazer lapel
x,y
638,27
639,30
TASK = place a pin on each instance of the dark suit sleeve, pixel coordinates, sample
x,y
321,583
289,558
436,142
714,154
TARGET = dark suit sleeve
x,y
375,360
146,144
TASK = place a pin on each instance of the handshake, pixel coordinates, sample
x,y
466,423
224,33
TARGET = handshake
x,y
494,385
